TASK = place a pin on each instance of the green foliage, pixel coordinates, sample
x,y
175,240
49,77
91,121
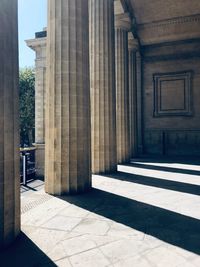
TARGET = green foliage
x,y
27,105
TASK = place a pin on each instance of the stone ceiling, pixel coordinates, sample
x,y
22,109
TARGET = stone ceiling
x,y
147,11
159,21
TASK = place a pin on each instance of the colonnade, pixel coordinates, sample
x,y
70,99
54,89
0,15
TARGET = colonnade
x,y
70,91
89,110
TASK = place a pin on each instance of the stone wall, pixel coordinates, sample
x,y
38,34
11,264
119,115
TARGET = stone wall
x,y
171,97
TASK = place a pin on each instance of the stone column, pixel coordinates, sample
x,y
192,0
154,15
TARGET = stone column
x,y
39,46
139,104
122,26
9,137
68,131
132,48
102,75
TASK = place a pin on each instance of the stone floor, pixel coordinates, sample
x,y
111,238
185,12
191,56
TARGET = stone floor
x,y
145,215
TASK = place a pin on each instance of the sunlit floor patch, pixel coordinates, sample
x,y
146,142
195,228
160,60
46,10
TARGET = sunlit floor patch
x,y
123,221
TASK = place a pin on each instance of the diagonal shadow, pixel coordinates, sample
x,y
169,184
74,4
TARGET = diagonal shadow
x,y
32,186
171,159
23,252
176,229
163,168
27,188
156,182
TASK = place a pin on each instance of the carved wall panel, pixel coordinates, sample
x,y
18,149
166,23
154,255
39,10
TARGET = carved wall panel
x,y
170,99
173,94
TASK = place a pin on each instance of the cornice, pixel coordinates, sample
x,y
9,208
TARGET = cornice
x,y
37,43
175,29
175,21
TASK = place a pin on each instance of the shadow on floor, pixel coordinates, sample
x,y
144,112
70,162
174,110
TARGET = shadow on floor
x,y
164,168
33,185
156,182
176,229
24,253
167,159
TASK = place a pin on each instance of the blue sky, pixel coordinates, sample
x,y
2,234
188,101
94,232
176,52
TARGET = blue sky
x,y
32,18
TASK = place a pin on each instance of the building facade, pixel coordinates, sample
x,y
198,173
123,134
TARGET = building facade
x,y
159,61
120,79
39,46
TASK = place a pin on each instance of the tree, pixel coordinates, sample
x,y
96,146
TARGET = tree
x,y
27,106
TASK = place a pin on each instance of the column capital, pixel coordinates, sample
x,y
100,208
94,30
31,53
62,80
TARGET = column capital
x,y
133,44
123,21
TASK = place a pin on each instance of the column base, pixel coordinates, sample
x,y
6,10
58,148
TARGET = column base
x,y
39,159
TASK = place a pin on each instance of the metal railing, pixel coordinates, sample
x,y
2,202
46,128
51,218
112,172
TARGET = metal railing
x,y
27,165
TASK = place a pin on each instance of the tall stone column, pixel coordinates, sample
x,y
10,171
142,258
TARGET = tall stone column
x,y
9,139
68,131
132,48
102,75
122,26
39,46
139,103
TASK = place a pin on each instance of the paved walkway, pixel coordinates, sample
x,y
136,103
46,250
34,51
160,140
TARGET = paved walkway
x,y
145,215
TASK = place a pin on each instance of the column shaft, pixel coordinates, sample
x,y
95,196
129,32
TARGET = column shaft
x,y
40,92
133,46
67,162
102,75
122,95
132,101
139,104
40,82
9,137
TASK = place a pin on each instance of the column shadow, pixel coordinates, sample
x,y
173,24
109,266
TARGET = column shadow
x,y
24,253
173,228
157,182
163,168
167,159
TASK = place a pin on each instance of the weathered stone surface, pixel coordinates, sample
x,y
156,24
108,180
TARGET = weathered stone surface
x,y
167,20
132,49
39,46
9,137
67,164
156,222
139,103
170,99
122,26
102,75
39,159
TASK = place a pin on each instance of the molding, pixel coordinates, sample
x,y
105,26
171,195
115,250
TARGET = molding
x,y
178,56
171,130
184,102
175,29
172,43
36,43
178,50
178,20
